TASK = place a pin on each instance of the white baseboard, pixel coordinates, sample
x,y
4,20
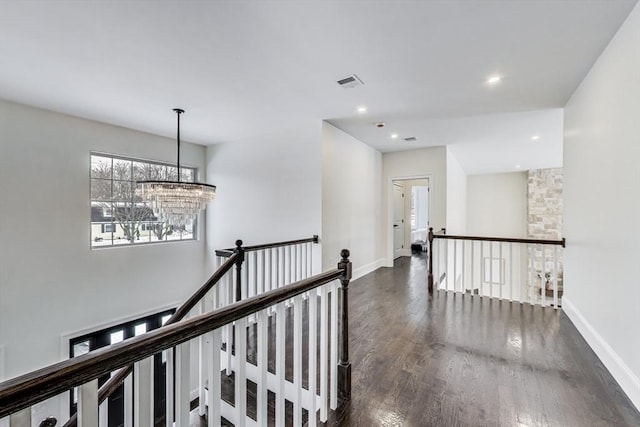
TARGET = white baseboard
x,y
368,268
627,380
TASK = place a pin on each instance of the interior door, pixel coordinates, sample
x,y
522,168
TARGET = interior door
x,y
398,219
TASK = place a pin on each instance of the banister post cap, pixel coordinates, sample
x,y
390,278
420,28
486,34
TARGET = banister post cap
x,y
238,243
345,254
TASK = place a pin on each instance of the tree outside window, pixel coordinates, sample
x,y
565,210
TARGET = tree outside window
x,y
118,216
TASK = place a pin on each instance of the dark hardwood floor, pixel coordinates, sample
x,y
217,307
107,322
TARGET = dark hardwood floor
x,y
463,360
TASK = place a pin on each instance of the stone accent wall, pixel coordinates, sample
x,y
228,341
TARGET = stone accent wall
x,y
544,215
544,210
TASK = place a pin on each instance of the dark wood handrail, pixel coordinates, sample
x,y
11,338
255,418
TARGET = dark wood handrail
x,y
26,390
501,239
118,378
228,252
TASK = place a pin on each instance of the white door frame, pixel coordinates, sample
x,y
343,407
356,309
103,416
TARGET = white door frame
x,y
398,252
389,225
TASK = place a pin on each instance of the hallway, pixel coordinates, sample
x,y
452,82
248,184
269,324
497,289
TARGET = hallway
x,y
459,360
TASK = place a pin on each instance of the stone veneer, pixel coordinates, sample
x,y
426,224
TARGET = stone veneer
x,y
544,207
544,217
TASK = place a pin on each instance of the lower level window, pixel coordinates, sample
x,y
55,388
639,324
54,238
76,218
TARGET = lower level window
x,y
113,335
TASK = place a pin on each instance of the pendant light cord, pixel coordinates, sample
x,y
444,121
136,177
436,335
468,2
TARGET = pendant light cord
x,y
178,112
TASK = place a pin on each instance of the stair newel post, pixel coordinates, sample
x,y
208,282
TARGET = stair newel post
x,y
239,260
344,366
430,263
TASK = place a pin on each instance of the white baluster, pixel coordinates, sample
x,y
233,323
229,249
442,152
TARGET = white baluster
x,y
87,404
543,279
263,273
446,266
473,260
183,388
280,367
288,265
213,378
261,384
313,354
128,401
143,393
202,367
555,277
240,381
280,268
510,271
294,263
464,266
254,267
103,414
491,269
22,418
531,271
334,347
228,329
523,277
500,269
169,365
297,360
455,265
245,276
324,353
482,268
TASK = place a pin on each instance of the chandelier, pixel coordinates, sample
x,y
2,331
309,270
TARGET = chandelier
x,y
176,203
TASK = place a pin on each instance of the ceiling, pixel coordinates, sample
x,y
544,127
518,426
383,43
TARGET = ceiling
x,y
245,68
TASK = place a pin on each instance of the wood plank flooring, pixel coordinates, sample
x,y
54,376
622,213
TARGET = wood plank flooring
x,y
463,360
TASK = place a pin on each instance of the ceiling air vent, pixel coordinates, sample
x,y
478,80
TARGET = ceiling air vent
x,y
411,139
351,81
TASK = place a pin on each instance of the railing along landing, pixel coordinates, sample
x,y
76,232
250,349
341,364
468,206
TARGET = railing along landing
x,y
514,269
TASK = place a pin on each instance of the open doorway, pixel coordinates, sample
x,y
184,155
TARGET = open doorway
x,y
410,220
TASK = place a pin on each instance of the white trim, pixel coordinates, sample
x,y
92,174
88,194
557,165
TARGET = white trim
x,y
67,336
620,371
366,269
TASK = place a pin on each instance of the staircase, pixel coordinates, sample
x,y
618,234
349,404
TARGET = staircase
x,y
263,341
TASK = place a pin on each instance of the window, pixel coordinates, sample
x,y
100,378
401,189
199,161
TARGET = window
x,y
113,335
118,216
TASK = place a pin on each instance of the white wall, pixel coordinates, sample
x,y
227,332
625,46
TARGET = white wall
x,y
269,189
425,162
602,207
497,204
351,201
456,196
51,282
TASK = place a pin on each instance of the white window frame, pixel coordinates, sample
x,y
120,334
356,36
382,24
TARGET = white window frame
x,y
109,203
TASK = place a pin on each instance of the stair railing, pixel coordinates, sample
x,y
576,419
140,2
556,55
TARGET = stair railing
x,y
283,253
516,269
19,394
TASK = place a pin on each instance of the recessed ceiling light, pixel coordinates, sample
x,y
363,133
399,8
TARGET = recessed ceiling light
x,y
394,136
362,109
492,80
535,137
517,166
